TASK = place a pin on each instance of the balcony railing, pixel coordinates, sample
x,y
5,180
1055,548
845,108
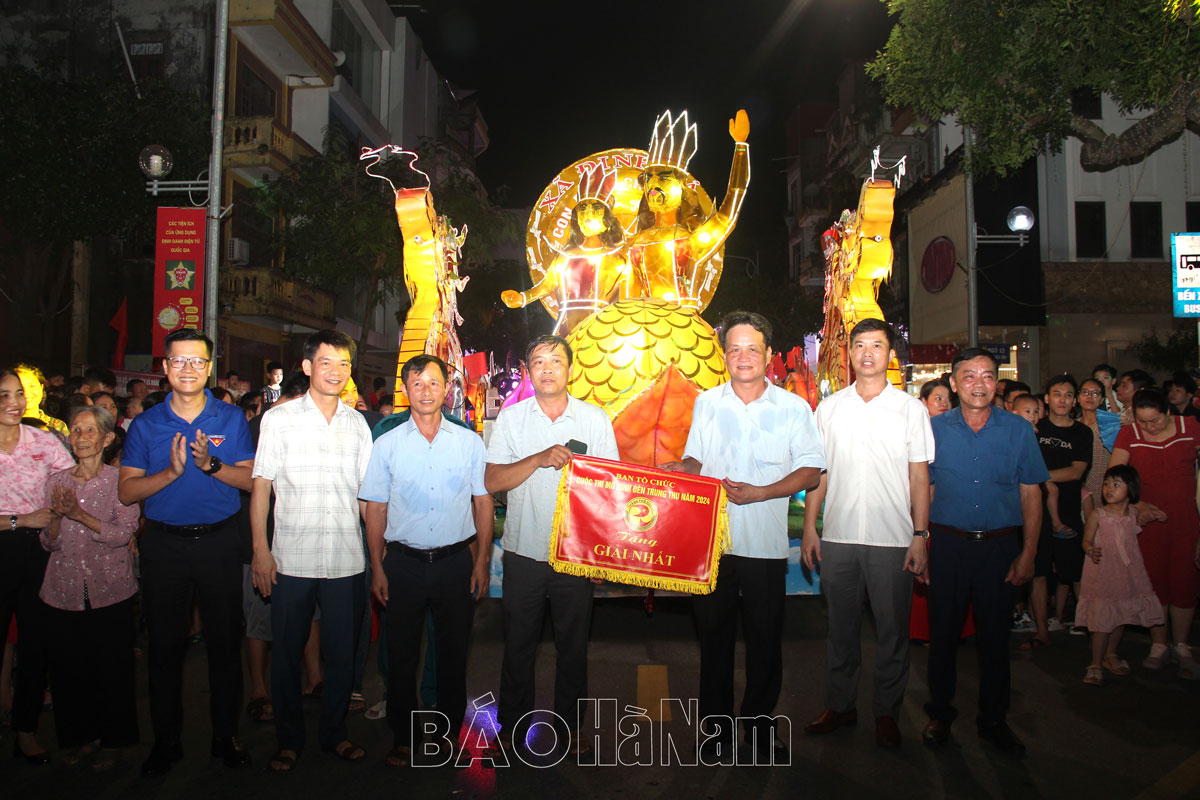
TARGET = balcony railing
x,y
261,142
266,292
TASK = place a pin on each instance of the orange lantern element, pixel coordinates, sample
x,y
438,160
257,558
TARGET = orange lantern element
x,y
431,252
677,247
858,256
800,381
644,362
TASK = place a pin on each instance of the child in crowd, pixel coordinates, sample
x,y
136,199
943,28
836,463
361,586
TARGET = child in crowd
x,y
1116,590
1030,408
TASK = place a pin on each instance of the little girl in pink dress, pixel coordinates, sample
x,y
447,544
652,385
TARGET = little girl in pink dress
x,y
1115,589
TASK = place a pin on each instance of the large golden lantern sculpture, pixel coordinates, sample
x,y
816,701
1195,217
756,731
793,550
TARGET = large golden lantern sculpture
x,y
625,250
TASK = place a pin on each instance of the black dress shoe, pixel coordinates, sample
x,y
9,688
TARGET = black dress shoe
x,y
1002,738
830,721
35,760
230,752
161,759
936,733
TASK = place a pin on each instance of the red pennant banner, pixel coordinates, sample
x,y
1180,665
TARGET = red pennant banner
x,y
639,525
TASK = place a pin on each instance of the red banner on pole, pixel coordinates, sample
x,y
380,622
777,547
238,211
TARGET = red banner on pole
x,y
639,525
178,273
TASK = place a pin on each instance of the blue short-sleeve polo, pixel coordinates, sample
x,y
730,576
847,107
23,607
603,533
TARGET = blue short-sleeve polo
x,y
193,498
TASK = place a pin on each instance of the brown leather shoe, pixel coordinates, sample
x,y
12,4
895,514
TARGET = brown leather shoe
x,y
830,721
887,732
936,733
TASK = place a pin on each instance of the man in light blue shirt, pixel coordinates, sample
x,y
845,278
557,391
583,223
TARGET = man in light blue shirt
x,y
429,512
762,443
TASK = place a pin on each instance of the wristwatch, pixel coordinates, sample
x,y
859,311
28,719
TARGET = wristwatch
x,y
12,521
214,464
923,534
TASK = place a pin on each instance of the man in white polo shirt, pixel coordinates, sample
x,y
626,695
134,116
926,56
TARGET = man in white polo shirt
x,y
525,457
879,444
761,442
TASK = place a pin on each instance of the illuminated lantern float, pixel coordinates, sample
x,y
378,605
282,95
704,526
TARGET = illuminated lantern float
x,y
625,250
858,256
432,247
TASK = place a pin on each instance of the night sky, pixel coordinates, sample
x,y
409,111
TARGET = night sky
x,y
561,80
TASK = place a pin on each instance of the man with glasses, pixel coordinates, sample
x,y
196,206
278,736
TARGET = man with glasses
x,y
187,458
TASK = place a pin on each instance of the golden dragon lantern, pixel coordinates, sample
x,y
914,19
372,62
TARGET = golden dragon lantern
x,y
630,305
432,247
858,256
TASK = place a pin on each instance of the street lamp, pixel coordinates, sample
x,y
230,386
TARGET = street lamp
x,y
1020,222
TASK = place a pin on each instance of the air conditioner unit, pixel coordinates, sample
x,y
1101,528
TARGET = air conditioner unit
x,y
237,251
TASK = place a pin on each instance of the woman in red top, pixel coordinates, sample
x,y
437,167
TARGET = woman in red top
x,y
1163,449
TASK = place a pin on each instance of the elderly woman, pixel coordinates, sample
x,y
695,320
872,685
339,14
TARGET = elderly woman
x,y
89,587
27,459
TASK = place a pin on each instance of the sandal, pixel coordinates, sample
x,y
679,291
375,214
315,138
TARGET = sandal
x,y
315,692
348,751
105,760
76,755
1094,676
399,757
283,761
1034,644
357,702
261,710
1115,664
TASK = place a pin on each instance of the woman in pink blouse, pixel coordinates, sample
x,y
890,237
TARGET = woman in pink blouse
x,y
89,587
27,459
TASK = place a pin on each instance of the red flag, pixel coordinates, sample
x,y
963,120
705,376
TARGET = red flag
x,y
120,323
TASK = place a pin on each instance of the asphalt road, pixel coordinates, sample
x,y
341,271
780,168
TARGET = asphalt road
x,y
1138,736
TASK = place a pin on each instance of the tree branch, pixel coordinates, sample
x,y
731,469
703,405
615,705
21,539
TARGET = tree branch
x,y
1103,151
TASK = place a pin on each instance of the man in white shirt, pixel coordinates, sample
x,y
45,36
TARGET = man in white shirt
x,y
525,457
426,503
313,452
879,444
761,442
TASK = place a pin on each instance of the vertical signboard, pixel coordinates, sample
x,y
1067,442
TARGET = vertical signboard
x,y
1185,261
178,273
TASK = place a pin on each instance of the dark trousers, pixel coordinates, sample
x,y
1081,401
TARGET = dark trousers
x,y
22,569
527,584
92,669
761,584
416,588
293,601
962,573
176,569
848,571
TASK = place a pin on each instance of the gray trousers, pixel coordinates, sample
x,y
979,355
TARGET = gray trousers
x,y
846,570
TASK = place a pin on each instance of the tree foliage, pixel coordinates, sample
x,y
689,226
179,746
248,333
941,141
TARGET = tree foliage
x,y
339,227
68,173
1166,355
1009,69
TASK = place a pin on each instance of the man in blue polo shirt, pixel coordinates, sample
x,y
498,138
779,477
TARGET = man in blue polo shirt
x,y
426,503
187,458
984,521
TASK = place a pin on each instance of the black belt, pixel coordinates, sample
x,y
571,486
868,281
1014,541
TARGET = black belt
x,y
976,536
191,530
430,555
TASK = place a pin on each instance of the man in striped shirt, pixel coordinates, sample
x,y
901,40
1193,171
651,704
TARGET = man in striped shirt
x,y
313,452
